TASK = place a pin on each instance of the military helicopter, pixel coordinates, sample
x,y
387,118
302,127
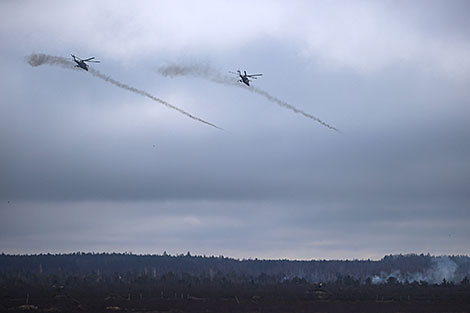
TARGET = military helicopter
x,y
81,63
245,78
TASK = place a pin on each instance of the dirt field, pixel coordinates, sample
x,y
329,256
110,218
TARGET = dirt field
x,y
239,298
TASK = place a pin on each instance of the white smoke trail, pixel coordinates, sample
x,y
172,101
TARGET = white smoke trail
x,y
289,106
40,59
206,72
146,94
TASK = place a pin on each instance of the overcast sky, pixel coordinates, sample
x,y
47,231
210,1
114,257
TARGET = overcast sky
x,y
87,166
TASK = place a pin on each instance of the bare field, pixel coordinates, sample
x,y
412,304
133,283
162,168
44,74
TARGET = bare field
x,y
238,298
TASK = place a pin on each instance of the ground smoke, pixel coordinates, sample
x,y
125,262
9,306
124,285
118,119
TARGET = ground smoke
x,y
441,268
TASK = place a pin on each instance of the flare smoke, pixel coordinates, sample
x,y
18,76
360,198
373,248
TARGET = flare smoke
x,y
40,59
211,74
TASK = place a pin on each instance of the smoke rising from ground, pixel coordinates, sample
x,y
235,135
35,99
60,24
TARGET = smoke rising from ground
x,y
441,268
206,72
41,59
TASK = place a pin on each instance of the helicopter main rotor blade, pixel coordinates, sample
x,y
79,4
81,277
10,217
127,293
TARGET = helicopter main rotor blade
x,y
251,75
86,60
92,61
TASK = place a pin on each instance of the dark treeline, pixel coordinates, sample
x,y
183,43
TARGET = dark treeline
x,y
104,282
59,268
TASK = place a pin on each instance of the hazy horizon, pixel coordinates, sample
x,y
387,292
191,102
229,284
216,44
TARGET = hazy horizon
x,y
184,254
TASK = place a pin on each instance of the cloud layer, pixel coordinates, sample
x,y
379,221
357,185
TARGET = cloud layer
x,y
87,166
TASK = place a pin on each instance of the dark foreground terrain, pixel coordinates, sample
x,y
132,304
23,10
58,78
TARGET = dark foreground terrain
x,y
281,297
88,282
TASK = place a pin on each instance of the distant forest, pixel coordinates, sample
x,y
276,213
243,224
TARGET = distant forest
x,y
127,267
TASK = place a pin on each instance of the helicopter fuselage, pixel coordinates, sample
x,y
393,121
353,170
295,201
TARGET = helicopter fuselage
x,y
245,80
81,64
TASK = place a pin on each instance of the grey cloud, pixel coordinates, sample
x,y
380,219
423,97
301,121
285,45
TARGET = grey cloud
x,y
240,229
86,166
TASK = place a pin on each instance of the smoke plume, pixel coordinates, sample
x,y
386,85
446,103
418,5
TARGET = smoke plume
x,y
442,267
41,59
206,72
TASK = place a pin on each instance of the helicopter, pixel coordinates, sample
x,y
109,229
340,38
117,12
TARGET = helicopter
x,y
245,78
81,63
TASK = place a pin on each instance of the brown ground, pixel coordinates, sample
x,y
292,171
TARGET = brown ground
x,y
240,298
